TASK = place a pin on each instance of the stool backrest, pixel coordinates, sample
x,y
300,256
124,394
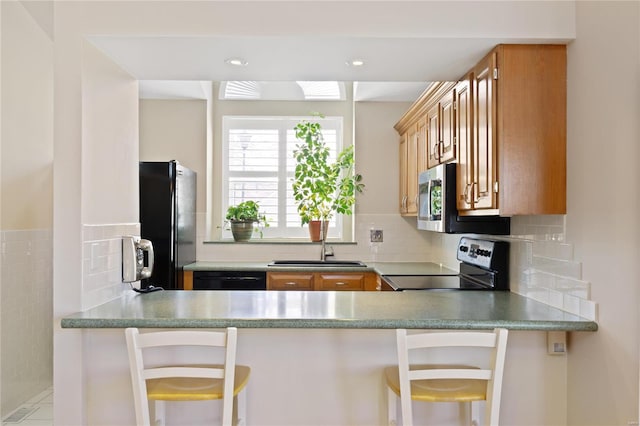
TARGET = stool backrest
x,y
496,340
136,342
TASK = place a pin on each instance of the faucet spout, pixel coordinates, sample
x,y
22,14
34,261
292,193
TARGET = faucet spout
x,y
323,250
324,253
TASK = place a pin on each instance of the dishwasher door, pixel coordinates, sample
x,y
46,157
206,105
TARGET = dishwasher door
x,y
229,280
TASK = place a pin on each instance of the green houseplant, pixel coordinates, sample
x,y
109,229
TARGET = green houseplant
x,y
245,218
321,188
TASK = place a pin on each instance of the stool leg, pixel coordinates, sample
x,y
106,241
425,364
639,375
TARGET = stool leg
x,y
241,404
392,408
476,412
158,408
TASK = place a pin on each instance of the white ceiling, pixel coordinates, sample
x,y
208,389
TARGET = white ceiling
x,y
395,68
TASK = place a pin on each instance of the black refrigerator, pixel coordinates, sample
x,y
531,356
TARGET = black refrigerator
x,y
168,220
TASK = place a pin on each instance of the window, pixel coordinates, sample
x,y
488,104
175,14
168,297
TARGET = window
x,y
258,165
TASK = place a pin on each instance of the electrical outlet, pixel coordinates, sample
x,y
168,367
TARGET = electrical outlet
x,y
556,343
376,235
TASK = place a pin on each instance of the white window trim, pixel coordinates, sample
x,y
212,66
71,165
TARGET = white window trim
x,y
342,231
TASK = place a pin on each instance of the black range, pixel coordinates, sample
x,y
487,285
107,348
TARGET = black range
x,y
484,265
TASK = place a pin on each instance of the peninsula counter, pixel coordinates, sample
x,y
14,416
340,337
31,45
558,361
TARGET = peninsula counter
x,y
317,357
427,309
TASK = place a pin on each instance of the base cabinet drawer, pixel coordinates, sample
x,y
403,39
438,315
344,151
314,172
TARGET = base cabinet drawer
x,y
290,281
337,282
328,281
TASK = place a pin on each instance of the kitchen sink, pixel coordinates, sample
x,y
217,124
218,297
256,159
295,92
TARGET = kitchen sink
x,y
315,263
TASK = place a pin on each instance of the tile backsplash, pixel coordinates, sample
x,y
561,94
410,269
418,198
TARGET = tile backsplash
x,y
542,264
26,315
102,262
544,267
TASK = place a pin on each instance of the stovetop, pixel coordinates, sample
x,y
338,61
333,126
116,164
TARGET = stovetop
x,y
484,266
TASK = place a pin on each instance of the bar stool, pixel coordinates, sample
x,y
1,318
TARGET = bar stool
x,y
446,383
152,385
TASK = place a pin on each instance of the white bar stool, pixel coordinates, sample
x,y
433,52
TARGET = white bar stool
x,y
446,383
154,385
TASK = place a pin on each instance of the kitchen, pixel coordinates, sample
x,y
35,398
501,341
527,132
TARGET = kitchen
x,y
589,399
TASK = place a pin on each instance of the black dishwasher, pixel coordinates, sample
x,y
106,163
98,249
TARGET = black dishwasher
x,y
229,280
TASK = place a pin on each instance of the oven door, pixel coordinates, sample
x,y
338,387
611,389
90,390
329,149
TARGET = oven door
x,y
432,188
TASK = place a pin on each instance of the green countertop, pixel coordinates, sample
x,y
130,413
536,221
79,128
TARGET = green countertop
x,y
381,268
433,309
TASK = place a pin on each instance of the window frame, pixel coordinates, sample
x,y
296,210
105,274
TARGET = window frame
x,y
340,228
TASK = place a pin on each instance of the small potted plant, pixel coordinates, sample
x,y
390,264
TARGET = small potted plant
x,y
245,218
320,188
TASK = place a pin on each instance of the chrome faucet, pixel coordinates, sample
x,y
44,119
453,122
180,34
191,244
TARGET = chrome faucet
x,y
323,251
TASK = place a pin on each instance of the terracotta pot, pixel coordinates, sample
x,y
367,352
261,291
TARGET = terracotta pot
x,y
314,230
242,231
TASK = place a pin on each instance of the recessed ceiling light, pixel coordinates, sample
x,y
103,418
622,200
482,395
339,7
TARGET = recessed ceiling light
x,y
238,62
355,63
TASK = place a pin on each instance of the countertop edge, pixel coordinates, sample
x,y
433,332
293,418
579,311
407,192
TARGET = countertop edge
x,y
444,324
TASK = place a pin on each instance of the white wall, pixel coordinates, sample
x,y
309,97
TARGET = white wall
x,y
95,192
176,130
603,176
26,153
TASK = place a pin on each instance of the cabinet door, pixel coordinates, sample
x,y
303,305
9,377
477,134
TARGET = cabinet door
x,y
447,128
289,281
340,282
433,136
484,119
441,131
402,200
464,135
412,172
423,149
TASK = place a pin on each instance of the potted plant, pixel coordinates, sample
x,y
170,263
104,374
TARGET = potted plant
x,y
320,188
245,218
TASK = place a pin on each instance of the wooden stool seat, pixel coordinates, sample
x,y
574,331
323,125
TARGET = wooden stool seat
x,y
439,390
195,388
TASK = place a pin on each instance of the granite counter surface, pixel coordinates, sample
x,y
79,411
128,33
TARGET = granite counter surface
x,y
433,309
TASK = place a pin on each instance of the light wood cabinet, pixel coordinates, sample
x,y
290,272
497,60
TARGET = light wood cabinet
x,y
290,281
409,172
441,139
484,186
334,281
414,128
504,123
518,159
464,135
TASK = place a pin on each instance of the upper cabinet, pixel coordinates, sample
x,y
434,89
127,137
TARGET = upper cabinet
x,y
441,131
504,123
530,111
417,144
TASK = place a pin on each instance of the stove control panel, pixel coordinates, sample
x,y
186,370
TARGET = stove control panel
x,y
486,254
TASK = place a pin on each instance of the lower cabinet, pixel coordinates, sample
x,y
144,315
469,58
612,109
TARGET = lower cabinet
x,y
290,281
334,281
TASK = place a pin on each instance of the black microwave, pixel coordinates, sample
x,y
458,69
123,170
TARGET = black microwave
x,y
437,209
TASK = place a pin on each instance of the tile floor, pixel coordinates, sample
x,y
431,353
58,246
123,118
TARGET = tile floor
x,y
38,411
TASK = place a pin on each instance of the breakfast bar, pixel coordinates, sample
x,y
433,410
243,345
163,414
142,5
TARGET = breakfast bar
x,y
310,350
429,309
